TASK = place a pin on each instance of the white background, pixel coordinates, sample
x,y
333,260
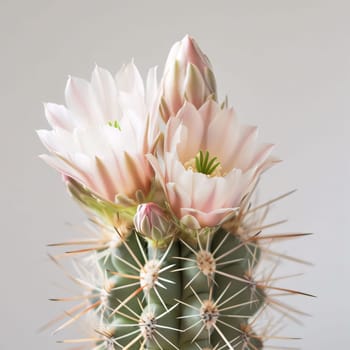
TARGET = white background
x,y
285,66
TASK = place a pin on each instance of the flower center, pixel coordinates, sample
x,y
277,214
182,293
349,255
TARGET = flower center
x,y
114,124
205,164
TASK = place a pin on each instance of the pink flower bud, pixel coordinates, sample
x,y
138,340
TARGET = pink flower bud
x,y
150,220
187,76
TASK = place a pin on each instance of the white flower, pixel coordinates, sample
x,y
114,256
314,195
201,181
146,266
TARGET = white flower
x,y
210,163
101,138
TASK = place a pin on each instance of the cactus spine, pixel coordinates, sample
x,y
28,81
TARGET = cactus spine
x,y
193,290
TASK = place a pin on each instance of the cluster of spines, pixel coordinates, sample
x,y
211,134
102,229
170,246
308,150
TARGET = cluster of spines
x,y
197,293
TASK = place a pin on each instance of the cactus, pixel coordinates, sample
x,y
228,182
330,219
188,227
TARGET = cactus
x,y
167,175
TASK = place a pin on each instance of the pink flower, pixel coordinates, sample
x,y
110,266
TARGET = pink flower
x,y
151,221
101,138
187,76
210,163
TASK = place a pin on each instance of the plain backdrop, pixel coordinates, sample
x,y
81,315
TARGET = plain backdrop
x,y
285,66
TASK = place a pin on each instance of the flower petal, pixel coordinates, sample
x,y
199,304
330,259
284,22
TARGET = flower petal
x,y
105,91
82,102
59,116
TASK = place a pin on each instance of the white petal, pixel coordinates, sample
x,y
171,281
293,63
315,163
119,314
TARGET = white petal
x,y
151,88
209,219
245,147
57,140
203,192
190,144
261,154
59,116
105,91
219,138
64,168
129,81
208,111
157,168
106,179
178,197
81,101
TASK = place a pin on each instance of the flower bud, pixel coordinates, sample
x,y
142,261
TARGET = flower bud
x,y
151,221
187,76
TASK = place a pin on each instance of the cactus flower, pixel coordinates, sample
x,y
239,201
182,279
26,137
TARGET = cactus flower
x,y
151,221
101,138
188,76
210,163
181,270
